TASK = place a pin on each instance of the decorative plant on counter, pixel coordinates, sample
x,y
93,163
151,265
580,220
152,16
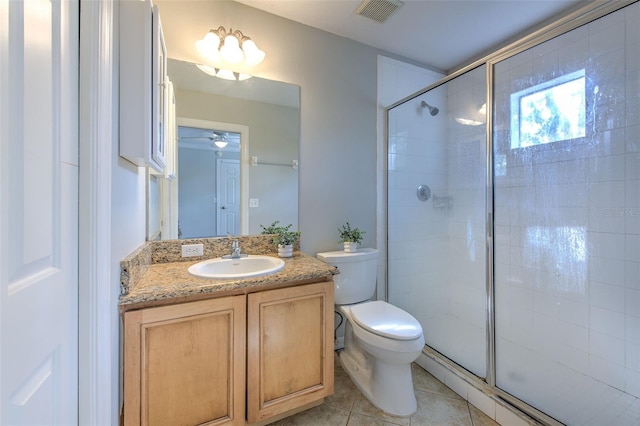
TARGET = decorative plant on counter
x,y
351,237
284,237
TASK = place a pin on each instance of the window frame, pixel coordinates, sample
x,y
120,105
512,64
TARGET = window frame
x,y
515,100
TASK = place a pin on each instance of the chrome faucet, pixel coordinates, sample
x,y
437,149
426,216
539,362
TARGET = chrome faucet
x,y
236,252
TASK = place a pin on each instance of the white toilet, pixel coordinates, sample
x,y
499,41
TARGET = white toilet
x,y
381,340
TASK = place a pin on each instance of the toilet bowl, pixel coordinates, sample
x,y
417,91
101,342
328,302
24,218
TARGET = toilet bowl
x,y
381,340
380,366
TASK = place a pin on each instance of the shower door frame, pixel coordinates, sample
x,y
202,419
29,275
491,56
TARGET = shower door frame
x,y
574,19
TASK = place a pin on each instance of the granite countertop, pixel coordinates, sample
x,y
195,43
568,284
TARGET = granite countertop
x,y
170,282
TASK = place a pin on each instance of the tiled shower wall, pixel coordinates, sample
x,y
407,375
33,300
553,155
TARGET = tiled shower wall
x,y
416,156
436,260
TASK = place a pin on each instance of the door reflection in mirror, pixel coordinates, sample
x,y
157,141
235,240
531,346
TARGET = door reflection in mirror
x,y
209,182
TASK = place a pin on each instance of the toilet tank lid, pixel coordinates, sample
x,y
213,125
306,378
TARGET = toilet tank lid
x,y
386,320
342,256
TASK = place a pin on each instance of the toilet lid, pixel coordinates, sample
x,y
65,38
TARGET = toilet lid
x,y
386,320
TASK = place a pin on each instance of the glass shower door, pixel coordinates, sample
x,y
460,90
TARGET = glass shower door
x,y
567,221
436,216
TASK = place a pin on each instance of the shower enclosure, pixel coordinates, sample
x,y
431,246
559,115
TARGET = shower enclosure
x,y
514,218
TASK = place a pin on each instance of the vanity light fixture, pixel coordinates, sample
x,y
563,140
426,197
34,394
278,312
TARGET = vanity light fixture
x,y
226,49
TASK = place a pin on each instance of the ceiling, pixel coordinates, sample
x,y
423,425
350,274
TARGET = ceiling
x,y
444,34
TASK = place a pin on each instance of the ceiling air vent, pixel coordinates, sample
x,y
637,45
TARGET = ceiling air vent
x,y
378,10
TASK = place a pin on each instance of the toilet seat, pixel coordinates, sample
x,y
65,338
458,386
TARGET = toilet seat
x,y
383,319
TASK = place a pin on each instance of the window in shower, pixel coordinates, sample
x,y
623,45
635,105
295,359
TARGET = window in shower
x,y
548,112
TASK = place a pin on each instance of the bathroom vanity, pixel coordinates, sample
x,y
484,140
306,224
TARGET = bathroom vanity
x,y
224,352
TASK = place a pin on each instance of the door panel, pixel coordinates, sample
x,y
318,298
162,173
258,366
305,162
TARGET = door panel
x,y
228,189
38,227
289,350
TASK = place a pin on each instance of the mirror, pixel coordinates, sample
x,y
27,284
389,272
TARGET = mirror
x,y
251,180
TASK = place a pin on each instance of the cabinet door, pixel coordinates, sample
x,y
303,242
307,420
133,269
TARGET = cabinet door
x,y
158,93
142,78
290,350
185,364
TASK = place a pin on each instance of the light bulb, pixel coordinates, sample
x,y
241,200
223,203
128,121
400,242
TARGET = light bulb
x,y
253,55
208,46
231,51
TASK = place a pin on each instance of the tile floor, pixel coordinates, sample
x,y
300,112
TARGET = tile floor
x,y
437,406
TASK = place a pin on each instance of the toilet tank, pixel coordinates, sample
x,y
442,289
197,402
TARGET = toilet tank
x,y
356,281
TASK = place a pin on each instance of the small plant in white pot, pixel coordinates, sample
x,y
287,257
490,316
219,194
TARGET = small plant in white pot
x,y
284,237
350,237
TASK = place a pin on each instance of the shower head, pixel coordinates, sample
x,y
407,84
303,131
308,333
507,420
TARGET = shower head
x,y
432,110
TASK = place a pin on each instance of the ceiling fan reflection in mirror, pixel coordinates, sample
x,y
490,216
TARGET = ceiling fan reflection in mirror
x,y
219,139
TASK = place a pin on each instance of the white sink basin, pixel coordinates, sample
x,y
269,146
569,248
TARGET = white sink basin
x,y
250,266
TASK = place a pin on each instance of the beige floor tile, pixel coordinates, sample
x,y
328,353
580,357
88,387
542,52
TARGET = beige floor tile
x,y
479,418
361,420
438,410
322,415
424,381
363,406
345,392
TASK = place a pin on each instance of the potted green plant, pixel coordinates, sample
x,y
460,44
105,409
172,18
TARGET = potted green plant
x,y
283,237
350,237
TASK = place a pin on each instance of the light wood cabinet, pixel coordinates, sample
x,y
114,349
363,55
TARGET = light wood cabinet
x,y
289,351
185,364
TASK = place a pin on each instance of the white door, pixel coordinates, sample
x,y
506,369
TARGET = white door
x,y
38,216
228,196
